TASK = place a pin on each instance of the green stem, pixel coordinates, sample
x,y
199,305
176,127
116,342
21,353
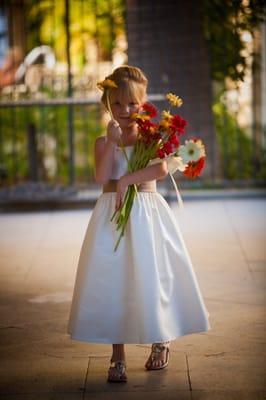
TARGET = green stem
x,y
113,215
129,204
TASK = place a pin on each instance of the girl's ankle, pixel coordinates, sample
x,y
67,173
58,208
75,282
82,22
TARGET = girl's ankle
x,y
118,358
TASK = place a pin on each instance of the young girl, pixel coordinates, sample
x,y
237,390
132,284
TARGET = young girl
x,y
146,291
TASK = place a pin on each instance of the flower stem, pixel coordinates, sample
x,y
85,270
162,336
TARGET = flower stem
x,y
127,205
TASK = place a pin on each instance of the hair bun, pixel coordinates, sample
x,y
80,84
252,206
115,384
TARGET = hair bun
x,y
125,72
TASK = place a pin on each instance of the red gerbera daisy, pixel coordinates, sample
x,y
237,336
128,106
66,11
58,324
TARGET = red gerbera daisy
x,y
179,124
194,168
150,109
147,126
174,140
160,153
167,148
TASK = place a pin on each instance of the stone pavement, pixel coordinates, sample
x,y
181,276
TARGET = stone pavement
x,y
38,260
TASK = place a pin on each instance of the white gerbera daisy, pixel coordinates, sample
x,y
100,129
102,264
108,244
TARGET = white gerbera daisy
x,y
175,163
191,150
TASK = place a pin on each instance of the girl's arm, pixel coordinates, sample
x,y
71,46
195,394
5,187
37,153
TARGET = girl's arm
x,y
156,171
104,152
104,158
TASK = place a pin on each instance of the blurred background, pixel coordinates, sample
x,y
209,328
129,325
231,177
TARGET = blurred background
x,y
52,53
212,54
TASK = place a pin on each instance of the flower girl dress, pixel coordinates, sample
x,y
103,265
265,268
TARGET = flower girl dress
x,y
144,292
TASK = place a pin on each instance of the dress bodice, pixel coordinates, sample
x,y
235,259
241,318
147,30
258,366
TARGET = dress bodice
x,y
120,162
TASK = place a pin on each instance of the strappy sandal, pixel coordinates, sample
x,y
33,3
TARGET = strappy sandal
x,y
156,349
117,371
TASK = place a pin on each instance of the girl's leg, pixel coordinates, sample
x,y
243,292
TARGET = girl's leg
x,y
117,371
118,352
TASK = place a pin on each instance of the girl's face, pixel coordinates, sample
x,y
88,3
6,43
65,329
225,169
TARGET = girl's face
x,y
122,111
126,100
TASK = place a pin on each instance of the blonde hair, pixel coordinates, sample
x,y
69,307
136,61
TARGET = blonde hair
x,y
132,85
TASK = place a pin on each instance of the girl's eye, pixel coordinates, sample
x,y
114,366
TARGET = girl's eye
x,y
133,104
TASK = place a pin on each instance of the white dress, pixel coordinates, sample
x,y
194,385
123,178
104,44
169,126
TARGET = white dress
x,y
147,290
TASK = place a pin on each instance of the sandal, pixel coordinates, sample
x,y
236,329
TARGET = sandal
x,y
156,349
117,371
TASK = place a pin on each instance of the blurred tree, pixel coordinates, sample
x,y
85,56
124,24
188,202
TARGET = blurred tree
x,y
95,29
233,60
224,23
100,20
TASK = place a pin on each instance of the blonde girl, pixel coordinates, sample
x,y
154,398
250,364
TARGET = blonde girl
x,y
146,291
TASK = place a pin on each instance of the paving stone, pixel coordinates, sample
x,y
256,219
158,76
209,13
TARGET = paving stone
x,y
172,378
38,258
227,372
140,395
34,374
228,395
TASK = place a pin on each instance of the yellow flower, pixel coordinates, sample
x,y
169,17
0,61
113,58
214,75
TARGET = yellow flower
x,y
166,115
140,116
164,123
174,100
106,84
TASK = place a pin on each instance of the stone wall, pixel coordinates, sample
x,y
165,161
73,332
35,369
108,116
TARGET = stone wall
x,y
165,39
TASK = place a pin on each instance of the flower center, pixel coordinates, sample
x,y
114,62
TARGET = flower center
x,y
191,151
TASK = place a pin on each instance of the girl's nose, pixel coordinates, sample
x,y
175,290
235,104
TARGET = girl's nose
x,y
125,108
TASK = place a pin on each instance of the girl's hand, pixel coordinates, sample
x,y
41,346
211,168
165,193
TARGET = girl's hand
x,y
113,131
120,191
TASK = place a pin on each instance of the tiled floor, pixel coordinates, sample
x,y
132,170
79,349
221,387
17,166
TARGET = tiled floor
x,y
38,260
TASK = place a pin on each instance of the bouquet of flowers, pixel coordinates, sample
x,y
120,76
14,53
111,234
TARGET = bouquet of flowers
x,y
161,141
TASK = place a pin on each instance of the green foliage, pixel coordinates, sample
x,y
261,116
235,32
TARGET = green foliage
x,y
99,20
236,147
87,128
223,25
52,142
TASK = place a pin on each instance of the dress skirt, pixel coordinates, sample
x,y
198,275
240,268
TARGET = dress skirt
x,y
144,292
